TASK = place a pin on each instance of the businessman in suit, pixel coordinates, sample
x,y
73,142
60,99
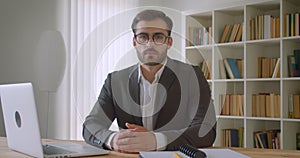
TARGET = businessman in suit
x,y
159,103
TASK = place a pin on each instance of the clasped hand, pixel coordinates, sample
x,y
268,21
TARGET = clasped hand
x,y
134,139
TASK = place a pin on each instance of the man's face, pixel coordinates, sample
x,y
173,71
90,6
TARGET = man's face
x,y
150,53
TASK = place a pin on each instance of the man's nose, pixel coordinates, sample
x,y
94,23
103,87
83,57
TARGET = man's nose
x,y
150,42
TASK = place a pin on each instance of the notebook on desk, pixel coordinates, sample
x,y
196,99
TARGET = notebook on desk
x,y
22,129
210,153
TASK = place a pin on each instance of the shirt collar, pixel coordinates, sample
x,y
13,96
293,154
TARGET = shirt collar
x,y
158,73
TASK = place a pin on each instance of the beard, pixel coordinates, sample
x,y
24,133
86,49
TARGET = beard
x,y
152,60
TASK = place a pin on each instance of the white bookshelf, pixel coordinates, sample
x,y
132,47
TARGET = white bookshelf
x,y
249,51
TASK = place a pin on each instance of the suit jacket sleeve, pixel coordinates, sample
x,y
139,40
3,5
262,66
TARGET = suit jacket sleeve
x,y
97,123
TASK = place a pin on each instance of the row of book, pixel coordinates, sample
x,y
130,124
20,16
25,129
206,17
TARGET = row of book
x,y
232,33
298,141
231,68
267,139
200,36
264,27
266,105
294,64
205,66
232,137
268,67
294,106
291,22
232,104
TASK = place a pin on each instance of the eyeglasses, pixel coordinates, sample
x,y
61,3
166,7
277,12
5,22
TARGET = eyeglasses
x,y
158,38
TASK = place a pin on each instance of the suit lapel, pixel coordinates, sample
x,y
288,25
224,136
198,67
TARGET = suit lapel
x,y
134,90
166,80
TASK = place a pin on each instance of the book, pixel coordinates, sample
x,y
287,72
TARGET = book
x,y
296,106
254,113
297,24
277,106
297,62
228,69
259,69
233,68
252,35
234,138
222,69
267,139
261,140
277,27
222,104
291,66
239,33
229,33
276,72
298,141
262,105
234,32
292,24
287,25
267,26
241,136
240,104
268,106
225,32
291,106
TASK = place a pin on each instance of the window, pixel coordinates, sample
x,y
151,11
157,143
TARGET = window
x,y
100,42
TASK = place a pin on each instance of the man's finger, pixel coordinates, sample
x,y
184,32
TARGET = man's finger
x,y
126,134
135,127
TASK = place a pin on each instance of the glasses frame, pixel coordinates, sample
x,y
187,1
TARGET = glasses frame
x,y
144,43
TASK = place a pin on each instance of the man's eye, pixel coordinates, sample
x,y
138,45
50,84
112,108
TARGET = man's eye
x,y
143,36
159,37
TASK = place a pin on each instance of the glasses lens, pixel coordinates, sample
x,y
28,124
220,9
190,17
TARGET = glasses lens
x,y
142,38
159,38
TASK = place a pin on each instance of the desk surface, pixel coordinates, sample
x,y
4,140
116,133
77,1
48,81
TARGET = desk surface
x,y
252,152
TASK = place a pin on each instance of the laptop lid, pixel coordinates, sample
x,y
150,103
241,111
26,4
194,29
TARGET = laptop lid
x,y
20,118
21,124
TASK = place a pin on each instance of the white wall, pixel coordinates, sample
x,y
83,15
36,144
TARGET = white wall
x,y
22,23
203,5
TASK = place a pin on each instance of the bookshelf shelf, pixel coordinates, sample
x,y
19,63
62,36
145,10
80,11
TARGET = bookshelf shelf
x,y
263,79
231,44
203,47
230,117
263,118
290,120
248,51
228,80
265,42
291,78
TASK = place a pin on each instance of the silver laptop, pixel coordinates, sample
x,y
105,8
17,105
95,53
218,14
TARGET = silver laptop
x,y
22,129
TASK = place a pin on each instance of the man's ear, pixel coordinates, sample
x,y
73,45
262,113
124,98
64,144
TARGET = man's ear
x,y
170,42
133,41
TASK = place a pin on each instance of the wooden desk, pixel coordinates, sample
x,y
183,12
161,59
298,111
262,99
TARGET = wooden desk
x,y
5,152
251,152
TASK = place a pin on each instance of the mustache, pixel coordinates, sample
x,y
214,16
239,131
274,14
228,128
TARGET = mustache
x,y
150,50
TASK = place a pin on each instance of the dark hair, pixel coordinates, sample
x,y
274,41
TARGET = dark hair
x,y
151,15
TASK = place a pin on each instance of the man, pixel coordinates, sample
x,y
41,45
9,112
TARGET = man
x,y
159,104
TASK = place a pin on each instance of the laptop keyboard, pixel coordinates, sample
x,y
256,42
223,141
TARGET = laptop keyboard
x,y
52,150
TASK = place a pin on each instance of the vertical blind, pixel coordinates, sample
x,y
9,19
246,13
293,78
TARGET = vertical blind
x,y
100,42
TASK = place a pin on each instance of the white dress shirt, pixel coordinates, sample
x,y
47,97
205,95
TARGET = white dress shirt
x,y
147,100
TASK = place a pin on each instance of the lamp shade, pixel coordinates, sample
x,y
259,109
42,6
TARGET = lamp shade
x,y
50,60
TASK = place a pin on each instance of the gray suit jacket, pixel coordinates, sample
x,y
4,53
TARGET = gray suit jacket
x,y
184,111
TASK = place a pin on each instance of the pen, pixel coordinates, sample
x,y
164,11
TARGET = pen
x,y
177,155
